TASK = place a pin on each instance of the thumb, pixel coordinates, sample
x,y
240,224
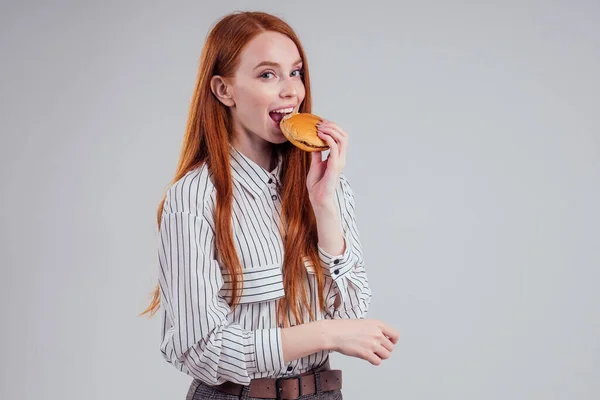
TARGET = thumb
x,y
316,158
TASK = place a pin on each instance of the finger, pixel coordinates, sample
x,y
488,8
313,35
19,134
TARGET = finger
x,y
334,126
391,333
317,158
387,343
337,139
383,353
315,166
340,139
333,146
371,357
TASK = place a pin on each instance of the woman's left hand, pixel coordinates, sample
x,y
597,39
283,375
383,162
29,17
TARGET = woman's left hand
x,y
323,176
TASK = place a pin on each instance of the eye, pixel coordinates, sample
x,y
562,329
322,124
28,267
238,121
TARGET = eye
x,y
264,74
299,71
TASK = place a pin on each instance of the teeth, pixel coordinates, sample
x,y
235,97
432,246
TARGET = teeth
x,y
284,110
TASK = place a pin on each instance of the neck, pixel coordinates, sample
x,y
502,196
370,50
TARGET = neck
x,y
258,150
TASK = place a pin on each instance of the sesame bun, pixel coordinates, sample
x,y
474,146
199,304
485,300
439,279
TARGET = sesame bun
x,y
301,130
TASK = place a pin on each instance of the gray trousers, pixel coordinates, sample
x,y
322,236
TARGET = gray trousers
x,y
200,391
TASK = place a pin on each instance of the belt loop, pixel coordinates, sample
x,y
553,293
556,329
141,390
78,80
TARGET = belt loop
x,y
245,392
318,390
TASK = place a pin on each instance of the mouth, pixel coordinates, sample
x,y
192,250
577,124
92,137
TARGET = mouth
x,y
279,114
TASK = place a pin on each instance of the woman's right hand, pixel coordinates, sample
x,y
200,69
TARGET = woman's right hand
x,y
369,339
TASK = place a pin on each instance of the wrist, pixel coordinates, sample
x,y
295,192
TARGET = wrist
x,y
327,334
326,208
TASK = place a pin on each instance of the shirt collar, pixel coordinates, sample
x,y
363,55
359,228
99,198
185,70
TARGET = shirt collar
x,y
251,175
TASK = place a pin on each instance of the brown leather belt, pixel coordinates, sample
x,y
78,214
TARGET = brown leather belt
x,y
288,387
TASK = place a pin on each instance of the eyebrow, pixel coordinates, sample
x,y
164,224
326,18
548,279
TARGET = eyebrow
x,y
273,64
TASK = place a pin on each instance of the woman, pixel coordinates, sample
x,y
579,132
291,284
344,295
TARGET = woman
x,y
261,269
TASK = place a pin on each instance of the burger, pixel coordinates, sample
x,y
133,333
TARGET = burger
x,y
301,130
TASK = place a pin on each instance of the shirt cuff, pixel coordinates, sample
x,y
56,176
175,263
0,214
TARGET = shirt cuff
x,y
263,350
337,266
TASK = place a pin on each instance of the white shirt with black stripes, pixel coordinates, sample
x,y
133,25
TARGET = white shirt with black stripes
x,y
200,335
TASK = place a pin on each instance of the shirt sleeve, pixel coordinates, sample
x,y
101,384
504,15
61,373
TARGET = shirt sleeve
x,y
197,337
347,270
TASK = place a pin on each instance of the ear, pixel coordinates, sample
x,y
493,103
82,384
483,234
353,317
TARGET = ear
x,y
222,90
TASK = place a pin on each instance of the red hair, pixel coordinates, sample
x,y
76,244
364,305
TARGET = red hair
x,y
206,140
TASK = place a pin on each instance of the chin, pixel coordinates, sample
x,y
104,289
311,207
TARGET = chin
x,y
278,138
276,135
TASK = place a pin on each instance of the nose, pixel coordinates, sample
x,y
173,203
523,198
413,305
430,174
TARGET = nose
x,y
289,89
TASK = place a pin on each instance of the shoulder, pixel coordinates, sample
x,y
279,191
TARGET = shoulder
x,y
190,193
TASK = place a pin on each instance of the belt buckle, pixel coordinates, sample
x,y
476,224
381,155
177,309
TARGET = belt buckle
x,y
279,389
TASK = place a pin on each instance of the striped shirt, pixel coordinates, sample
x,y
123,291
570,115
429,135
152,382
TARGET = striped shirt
x,y
200,336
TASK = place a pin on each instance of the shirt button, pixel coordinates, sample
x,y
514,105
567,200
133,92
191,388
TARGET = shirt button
x,y
337,271
270,180
336,261
290,368
274,197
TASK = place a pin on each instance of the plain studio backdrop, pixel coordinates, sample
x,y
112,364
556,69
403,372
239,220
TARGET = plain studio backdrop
x,y
474,155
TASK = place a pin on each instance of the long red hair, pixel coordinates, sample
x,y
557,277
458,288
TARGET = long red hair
x,y
206,140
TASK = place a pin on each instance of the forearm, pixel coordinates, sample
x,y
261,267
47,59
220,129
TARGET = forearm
x,y
329,231
341,256
305,339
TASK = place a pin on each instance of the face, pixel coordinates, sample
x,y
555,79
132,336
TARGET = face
x,y
268,79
